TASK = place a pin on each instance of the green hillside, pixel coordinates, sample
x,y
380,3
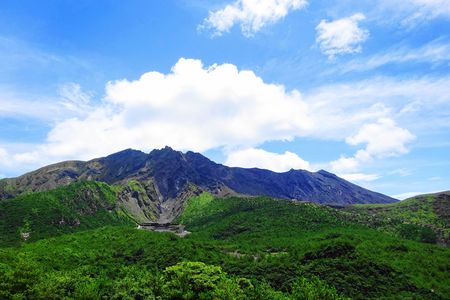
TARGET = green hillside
x,y
76,207
239,248
320,241
424,218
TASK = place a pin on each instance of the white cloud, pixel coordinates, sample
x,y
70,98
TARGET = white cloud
x,y
382,139
345,164
359,177
259,158
252,15
407,195
342,36
191,108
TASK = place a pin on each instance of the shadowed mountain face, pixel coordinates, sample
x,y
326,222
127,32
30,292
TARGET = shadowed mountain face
x,y
167,174
172,170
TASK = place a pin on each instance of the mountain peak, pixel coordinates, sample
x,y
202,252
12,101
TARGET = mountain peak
x,y
165,149
125,153
326,173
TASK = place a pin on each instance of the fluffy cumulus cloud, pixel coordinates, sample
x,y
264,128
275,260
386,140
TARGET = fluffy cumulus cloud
x,y
191,108
258,158
383,138
342,36
252,15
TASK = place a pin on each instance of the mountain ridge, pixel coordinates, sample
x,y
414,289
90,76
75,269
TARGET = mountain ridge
x,y
172,176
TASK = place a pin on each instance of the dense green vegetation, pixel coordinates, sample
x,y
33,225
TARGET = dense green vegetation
x,y
76,207
319,241
239,248
125,263
423,218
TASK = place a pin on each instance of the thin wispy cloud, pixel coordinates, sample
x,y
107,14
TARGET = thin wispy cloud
x,y
423,10
435,52
69,101
17,54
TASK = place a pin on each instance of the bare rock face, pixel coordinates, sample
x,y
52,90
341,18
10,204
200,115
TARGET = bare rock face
x,y
141,203
165,178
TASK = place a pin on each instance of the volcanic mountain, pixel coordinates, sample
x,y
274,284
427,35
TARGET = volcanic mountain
x,y
167,178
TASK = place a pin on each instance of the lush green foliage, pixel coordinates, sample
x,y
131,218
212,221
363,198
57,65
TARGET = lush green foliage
x,y
71,208
196,208
358,261
254,248
423,218
313,289
196,280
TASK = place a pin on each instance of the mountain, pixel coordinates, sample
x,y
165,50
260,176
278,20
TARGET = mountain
x,y
166,178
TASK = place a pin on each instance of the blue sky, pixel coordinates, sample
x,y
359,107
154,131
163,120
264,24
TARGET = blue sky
x,y
359,88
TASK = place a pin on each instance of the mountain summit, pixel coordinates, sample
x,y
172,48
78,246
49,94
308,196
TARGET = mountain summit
x,y
167,178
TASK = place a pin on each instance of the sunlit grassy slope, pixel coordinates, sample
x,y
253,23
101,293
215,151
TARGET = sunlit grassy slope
x,y
67,209
423,218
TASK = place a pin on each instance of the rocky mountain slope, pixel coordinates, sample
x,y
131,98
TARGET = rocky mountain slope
x,y
165,178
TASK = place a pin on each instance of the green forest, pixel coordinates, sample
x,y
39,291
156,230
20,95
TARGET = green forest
x,y
79,247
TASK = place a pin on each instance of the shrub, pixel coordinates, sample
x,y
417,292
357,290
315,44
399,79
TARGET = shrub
x,y
196,280
314,289
417,233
